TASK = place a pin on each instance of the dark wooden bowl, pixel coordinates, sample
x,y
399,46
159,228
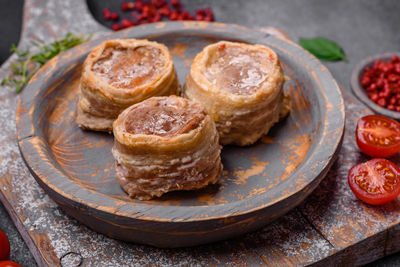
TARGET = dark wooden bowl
x,y
259,183
361,93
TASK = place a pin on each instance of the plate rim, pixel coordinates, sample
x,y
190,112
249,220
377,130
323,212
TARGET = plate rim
x,y
190,27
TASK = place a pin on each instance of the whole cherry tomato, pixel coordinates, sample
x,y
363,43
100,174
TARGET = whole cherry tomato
x,y
4,247
9,264
376,181
378,136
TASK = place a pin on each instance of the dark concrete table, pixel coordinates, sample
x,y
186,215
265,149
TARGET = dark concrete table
x,y
362,28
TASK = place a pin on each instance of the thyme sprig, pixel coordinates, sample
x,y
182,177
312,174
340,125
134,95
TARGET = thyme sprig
x,y
28,63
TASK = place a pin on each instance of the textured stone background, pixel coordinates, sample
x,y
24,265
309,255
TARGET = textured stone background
x,y
361,27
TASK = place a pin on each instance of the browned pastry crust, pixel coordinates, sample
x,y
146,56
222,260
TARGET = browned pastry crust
x,y
241,86
165,144
119,73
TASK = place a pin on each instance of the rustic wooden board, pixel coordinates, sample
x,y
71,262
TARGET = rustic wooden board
x,y
331,227
259,183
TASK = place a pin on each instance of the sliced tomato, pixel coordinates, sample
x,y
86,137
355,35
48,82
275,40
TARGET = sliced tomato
x,y
9,264
4,246
376,181
378,136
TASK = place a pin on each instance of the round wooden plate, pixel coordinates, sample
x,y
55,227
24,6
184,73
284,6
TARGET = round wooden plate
x,y
259,182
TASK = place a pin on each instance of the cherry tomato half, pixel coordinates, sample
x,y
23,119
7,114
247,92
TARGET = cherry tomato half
x,y
4,247
378,136
376,181
9,264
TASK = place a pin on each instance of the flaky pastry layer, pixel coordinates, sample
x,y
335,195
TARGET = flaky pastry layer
x,y
100,101
149,165
240,118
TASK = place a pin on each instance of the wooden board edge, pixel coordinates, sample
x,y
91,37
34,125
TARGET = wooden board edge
x,y
26,236
361,253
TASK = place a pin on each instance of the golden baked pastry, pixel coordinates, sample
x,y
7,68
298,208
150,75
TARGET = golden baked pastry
x,y
164,144
241,86
119,73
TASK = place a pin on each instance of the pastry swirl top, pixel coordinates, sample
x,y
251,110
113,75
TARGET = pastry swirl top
x,y
238,72
243,69
119,73
165,144
163,124
241,87
163,117
128,64
129,67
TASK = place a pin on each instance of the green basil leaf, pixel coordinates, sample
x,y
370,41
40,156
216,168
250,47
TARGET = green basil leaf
x,y
323,49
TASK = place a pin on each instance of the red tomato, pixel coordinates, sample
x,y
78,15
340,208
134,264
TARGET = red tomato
x,y
378,136
4,247
376,181
9,264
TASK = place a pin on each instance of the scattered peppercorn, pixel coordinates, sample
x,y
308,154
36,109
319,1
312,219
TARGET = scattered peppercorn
x,y
148,11
126,6
114,16
176,4
125,23
174,15
382,83
116,27
106,14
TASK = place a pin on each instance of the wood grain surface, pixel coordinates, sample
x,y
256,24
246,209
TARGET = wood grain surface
x,y
331,227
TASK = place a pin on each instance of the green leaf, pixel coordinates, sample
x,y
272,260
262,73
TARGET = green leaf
x,y
323,49
27,63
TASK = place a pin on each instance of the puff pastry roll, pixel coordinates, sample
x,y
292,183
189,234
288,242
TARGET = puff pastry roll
x,y
164,144
119,73
241,87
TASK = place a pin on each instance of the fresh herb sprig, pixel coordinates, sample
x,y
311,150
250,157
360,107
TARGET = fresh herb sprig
x,y
323,49
28,63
